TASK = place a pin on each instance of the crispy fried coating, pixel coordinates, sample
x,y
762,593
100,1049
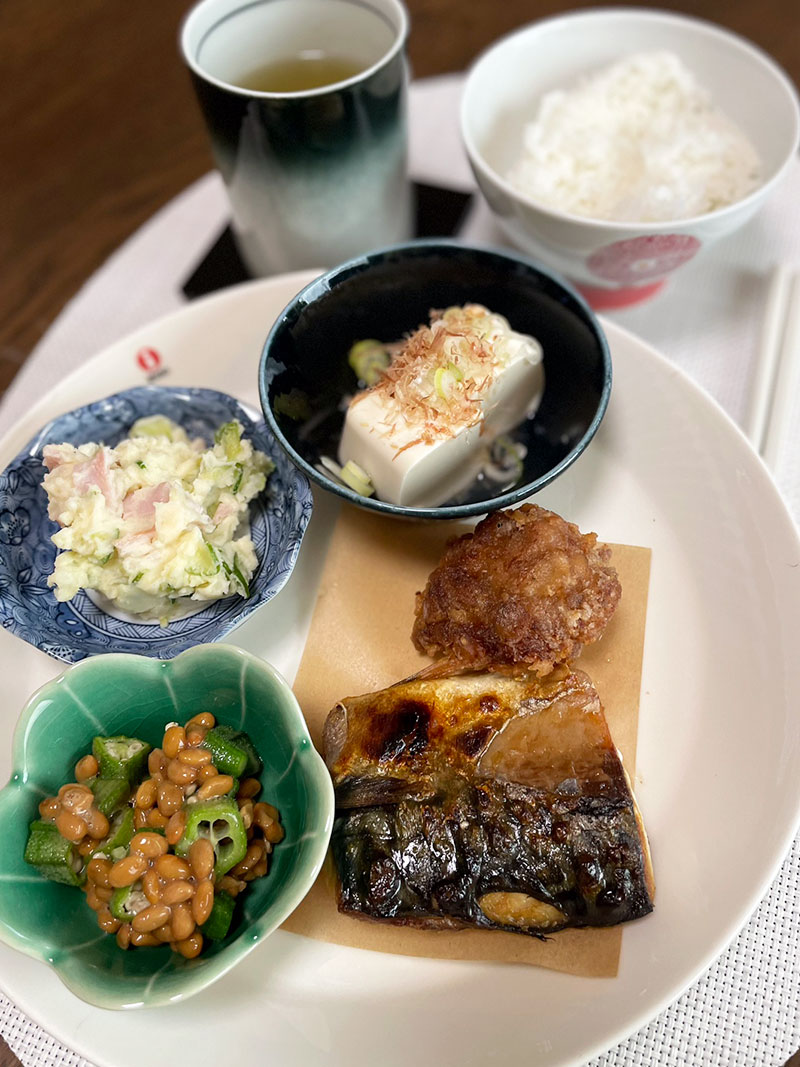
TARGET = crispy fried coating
x,y
525,590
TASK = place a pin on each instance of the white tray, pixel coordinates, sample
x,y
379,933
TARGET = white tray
x,y
718,761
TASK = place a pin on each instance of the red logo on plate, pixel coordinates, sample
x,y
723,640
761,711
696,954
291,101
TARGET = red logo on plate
x,y
148,359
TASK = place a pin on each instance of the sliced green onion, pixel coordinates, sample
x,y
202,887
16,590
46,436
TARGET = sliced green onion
x,y
206,561
240,578
369,359
294,405
229,435
350,475
357,478
505,460
154,426
330,466
445,382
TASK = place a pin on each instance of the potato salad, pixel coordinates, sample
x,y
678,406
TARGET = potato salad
x,y
157,521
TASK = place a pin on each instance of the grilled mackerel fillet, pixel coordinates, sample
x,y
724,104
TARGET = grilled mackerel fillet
x,y
485,800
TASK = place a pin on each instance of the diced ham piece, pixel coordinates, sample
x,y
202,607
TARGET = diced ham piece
x,y
94,474
52,456
134,544
227,506
140,504
71,474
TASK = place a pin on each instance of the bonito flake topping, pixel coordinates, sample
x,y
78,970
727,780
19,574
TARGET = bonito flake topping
x,y
439,377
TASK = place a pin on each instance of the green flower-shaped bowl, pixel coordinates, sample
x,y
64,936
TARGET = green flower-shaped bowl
x,y
136,695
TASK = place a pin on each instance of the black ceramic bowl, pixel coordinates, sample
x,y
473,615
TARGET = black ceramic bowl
x,y
388,293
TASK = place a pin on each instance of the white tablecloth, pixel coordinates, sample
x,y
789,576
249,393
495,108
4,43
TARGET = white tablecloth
x,y
745,1010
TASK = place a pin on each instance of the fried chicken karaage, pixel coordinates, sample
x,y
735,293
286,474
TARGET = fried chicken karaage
x,y
526,590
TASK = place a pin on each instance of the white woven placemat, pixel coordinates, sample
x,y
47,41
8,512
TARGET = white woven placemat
x,y
745,1010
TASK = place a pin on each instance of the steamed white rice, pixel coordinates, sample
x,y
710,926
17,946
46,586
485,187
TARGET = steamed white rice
x,y
639,141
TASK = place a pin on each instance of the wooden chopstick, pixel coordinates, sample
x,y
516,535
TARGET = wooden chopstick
x,y
776,383
787,380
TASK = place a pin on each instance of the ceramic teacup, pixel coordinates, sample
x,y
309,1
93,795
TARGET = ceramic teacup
x,y
305,102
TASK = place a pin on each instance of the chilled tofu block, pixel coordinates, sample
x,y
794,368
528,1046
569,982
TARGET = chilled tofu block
x,y
423,434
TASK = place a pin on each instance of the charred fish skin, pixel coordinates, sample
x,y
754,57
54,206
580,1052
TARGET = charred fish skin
x,y
505,857
484,800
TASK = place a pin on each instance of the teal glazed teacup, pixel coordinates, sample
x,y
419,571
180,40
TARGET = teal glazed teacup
x,y
305,102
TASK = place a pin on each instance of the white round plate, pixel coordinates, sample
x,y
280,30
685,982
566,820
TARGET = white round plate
x,y
718,764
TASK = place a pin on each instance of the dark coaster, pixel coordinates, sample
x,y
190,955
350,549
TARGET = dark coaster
x,y
439,213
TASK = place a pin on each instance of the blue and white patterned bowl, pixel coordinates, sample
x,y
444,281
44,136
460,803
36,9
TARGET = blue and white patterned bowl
x,y
74,630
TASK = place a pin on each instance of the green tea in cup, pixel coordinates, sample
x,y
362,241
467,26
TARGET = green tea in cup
x,y
305,102
310,69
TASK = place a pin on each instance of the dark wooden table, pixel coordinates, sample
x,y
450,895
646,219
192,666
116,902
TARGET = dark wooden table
x,y
99,128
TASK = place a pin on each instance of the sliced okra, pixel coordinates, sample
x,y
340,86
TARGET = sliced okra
x,y
127,902
218,923
121,757
220,821
53,856
110,795
116,845
233,752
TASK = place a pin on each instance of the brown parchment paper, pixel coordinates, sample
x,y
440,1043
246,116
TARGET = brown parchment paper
x,y
360,641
